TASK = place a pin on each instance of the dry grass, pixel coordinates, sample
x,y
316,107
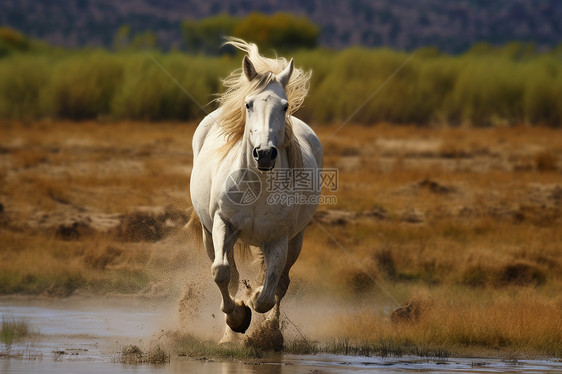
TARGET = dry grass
x,y
107,166
463,323
466,218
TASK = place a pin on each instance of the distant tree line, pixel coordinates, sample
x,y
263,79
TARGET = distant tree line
x,y
452,26
280,31
12,40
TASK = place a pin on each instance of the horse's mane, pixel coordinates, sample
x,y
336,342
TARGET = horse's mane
x,y
232,116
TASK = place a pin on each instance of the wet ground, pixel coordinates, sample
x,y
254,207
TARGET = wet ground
x,y
86,336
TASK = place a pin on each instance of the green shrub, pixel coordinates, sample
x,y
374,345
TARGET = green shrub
x,y
82,86
21,81
543,91
491,87
148,93
488,91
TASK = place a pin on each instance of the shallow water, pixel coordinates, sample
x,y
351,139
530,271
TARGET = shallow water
x,y
85,336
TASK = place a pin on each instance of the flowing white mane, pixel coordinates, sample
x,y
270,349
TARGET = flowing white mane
x,y
232,116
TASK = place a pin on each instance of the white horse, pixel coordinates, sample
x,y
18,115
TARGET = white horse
x,y
245,156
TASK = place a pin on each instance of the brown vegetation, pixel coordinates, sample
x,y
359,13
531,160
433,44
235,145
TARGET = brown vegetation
x,y
460,225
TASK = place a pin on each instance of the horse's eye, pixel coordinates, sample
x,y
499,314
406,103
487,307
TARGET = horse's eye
x,y
286,107
247,105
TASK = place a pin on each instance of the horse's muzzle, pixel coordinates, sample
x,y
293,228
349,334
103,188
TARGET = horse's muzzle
x,y
265,157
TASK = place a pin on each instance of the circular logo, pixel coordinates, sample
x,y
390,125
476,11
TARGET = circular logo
x,y
243,186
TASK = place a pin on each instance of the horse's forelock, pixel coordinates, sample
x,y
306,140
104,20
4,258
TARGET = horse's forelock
x,y
232,117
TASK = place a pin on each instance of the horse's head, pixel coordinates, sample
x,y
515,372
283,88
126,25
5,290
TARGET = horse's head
x,y
265,116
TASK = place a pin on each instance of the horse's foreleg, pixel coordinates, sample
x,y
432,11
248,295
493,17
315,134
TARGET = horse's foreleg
x,y
275,256
224,237
210,249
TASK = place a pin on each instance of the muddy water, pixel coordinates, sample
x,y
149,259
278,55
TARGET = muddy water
x,y
85,336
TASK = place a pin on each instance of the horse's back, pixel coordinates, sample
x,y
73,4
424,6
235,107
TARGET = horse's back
x,y
203,130
204,142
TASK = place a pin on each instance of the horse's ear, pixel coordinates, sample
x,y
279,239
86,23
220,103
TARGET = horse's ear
x,y
285,75
249,68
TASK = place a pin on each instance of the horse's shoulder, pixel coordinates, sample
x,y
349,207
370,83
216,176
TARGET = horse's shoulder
x,y
304,133
203,130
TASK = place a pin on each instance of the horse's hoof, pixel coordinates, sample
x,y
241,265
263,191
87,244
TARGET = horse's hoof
x,y
260,306
240,318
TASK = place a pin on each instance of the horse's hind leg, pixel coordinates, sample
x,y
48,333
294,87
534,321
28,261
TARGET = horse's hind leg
x,y
269,332
224,237
294,249
208,243
275,257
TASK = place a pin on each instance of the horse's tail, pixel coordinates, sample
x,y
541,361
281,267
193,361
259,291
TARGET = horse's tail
x,y
194,229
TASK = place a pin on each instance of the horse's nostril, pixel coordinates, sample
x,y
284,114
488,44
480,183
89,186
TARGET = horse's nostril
x,y
255,153
273,153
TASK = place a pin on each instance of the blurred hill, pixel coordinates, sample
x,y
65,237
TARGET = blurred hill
x,y
451,26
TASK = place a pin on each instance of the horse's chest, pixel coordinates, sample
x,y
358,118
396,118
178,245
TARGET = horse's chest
x,y
260,223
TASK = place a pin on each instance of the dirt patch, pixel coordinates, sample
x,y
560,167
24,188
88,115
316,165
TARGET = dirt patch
x,y
378,213
150,225
72,223
412,216
435,187
520,274
409,147
537,215
75,230
335,217
427,185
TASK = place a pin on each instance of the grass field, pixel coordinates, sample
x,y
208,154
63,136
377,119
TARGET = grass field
x,y
460,224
